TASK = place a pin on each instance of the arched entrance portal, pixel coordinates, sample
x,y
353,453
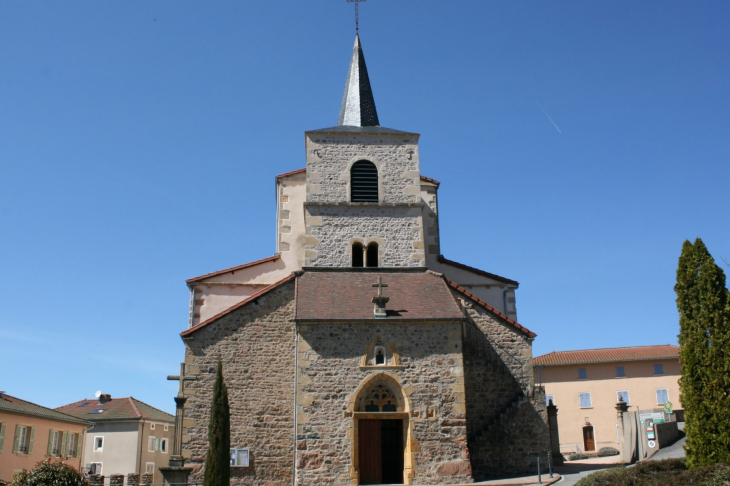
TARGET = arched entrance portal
x,y
381,446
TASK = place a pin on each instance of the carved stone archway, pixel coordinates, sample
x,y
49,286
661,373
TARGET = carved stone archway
x,y
384,391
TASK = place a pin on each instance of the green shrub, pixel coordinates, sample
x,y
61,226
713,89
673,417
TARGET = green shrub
x,y
608,451
670,472
576,455
47,473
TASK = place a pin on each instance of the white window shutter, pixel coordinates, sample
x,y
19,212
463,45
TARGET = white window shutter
x,y
16,439
80,445
32,440
49,451
3,427
64,444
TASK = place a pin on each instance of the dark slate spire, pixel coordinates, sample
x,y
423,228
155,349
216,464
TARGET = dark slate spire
x,y
358,104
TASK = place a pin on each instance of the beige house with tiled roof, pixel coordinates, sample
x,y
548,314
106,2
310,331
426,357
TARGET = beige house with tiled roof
x,y
128,436
358,353
586,384
30,432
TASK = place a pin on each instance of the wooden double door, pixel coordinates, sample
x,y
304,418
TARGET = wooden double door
x,y
381,450
589,441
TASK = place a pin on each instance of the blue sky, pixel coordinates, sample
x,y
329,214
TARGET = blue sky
x,y
578,145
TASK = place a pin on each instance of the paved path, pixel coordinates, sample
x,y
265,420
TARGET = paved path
x,y
574,471
674,451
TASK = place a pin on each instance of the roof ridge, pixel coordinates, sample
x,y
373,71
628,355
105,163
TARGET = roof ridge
x,y
152,407
616,347
233,269
134,406
443,259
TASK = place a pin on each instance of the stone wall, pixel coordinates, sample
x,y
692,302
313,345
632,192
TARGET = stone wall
x,y
332,229
256,346
331,367
330,156
506,415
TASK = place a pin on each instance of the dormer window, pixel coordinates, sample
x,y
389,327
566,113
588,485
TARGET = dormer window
x,y
363,182
372,255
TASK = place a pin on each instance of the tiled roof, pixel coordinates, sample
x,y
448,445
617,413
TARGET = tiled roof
x,y
128,408
304,169
489,308
240,304
347,295
233,269
608,355
11,404
443,259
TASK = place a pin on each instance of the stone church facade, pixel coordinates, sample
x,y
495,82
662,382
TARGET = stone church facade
x,y
358,354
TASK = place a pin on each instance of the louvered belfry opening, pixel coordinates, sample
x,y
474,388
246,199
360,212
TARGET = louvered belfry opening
x,y
364,182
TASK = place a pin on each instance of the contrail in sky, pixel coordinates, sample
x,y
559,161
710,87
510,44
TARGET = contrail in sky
x,y
551,120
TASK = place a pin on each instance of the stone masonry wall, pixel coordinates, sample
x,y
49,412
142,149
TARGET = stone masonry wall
x,y
430,372
506,414
256,346
331,230
330,156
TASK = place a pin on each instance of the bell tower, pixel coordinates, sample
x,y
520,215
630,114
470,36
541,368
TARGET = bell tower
x,y
363,188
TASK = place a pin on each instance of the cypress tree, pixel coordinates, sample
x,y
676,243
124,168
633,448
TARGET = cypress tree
x,y
217,461
704,315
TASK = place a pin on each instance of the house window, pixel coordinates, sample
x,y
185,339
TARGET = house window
x,y
372,255
152,426
99,443
582,374
166,427
358,255
585,400
149,468
548,399
363,182
620,373
662,396
152,444
71,445
23,442
95,468
239,457
163,446
53,444
658,369
624,395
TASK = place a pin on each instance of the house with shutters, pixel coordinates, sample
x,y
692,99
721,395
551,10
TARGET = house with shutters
x,y
586,384
128,435
30,432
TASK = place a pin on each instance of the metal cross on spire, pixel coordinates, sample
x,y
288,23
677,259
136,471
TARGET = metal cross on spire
x,y
357,14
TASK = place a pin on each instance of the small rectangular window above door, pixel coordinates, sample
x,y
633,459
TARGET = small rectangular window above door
x,y
585,400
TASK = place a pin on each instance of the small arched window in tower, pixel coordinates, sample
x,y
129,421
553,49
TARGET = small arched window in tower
x,y
363,182
372,255
358,255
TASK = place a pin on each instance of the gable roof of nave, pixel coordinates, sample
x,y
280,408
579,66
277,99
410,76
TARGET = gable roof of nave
x,y
233,269
446,261
489,308
255,296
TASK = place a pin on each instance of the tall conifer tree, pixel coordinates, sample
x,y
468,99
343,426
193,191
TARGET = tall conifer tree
x,y
704,316
217,462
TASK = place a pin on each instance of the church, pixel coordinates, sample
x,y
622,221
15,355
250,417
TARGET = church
x,y
357,353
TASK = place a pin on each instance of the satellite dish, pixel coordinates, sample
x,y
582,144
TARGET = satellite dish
x,y
97,394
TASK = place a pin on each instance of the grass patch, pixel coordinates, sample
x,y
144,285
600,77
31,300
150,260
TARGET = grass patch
x,y
670,472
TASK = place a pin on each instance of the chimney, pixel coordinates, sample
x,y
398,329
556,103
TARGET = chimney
x,y
104,397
